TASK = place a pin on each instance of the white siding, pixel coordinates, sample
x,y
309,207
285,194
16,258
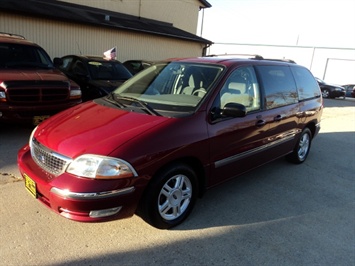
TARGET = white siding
x,y
62,38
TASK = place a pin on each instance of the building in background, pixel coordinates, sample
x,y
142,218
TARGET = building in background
x,y
140,29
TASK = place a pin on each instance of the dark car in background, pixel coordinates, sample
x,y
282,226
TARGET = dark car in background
x,y
349,88
135,66
31,88
330,90
96,76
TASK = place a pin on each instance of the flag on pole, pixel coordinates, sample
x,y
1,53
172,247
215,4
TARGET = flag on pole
x,y
110,54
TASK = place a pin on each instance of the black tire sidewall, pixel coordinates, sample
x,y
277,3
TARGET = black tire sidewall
x,y
309,133
293,157
149,204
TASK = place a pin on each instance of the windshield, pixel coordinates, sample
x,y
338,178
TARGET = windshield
x,y
172,89
23,56
108,71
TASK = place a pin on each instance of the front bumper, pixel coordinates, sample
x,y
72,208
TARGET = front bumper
x,y
16,113
81,199
337,93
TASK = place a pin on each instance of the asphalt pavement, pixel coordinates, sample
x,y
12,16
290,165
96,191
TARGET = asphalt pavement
x,y
278,214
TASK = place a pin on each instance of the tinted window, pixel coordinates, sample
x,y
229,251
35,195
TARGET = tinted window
x,y
108,70
279,86
15,55
306,84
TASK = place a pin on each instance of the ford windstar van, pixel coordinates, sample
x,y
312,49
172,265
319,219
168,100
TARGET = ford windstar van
x,y
175,129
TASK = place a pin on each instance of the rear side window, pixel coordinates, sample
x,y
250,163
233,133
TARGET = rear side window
x,y
306,84
279,86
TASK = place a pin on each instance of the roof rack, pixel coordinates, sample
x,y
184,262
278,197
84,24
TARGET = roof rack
x,y
281,60
12,35
251,56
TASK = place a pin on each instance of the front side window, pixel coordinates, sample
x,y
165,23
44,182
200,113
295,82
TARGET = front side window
x,y
241,87
174,87
279,86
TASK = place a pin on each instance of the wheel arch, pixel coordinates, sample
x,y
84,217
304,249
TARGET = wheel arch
x,y
312,127
195,164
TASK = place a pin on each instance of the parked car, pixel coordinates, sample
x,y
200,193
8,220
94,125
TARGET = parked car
x,y
348,89
169,133
353,93
96,76
330,90
31,88
135,66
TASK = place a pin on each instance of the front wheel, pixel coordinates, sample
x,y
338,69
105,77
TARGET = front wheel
x,y
325,93
170,197
301,150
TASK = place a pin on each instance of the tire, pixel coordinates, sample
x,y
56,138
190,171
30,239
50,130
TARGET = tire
x,y
325,93
170,197
302,148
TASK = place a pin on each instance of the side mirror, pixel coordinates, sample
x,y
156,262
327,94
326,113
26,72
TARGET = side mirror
x,y
234,110
58,62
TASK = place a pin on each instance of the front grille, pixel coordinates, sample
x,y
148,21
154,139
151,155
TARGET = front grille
x,y
48,160
37,91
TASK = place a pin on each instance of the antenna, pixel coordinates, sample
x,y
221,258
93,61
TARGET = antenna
x,y
78,48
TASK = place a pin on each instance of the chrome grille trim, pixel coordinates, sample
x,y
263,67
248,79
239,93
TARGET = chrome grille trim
x,y
50,161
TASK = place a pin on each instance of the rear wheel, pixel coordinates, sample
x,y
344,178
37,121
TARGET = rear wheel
x,y
170,197
301,150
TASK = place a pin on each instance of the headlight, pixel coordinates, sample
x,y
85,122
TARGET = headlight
x,y
101,167
31,137
2,96
75,94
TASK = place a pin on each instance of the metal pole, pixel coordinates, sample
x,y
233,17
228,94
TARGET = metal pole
x,y
314,49
325,70
203,16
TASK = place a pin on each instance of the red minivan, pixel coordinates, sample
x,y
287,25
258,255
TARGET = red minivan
x,y
169,133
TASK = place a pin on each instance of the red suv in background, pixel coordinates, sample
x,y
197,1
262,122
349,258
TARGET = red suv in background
x,y
31,88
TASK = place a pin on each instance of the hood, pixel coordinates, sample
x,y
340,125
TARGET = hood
x,y
32,74
91,128
108,85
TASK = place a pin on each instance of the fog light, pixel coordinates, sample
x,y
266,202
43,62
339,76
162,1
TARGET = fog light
x,y
104,213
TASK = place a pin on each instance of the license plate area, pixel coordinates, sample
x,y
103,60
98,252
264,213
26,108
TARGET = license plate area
x,y
39,118
30,185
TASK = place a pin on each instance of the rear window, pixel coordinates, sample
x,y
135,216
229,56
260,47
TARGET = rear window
x,y
279,86
306,84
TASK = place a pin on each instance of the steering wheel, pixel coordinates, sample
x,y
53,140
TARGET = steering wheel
x,y
199,90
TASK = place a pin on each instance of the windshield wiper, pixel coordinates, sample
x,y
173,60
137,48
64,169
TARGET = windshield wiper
x,y
142,104
111,99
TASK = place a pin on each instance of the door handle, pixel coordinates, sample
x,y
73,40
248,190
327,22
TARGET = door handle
x,y
278,118
260,123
